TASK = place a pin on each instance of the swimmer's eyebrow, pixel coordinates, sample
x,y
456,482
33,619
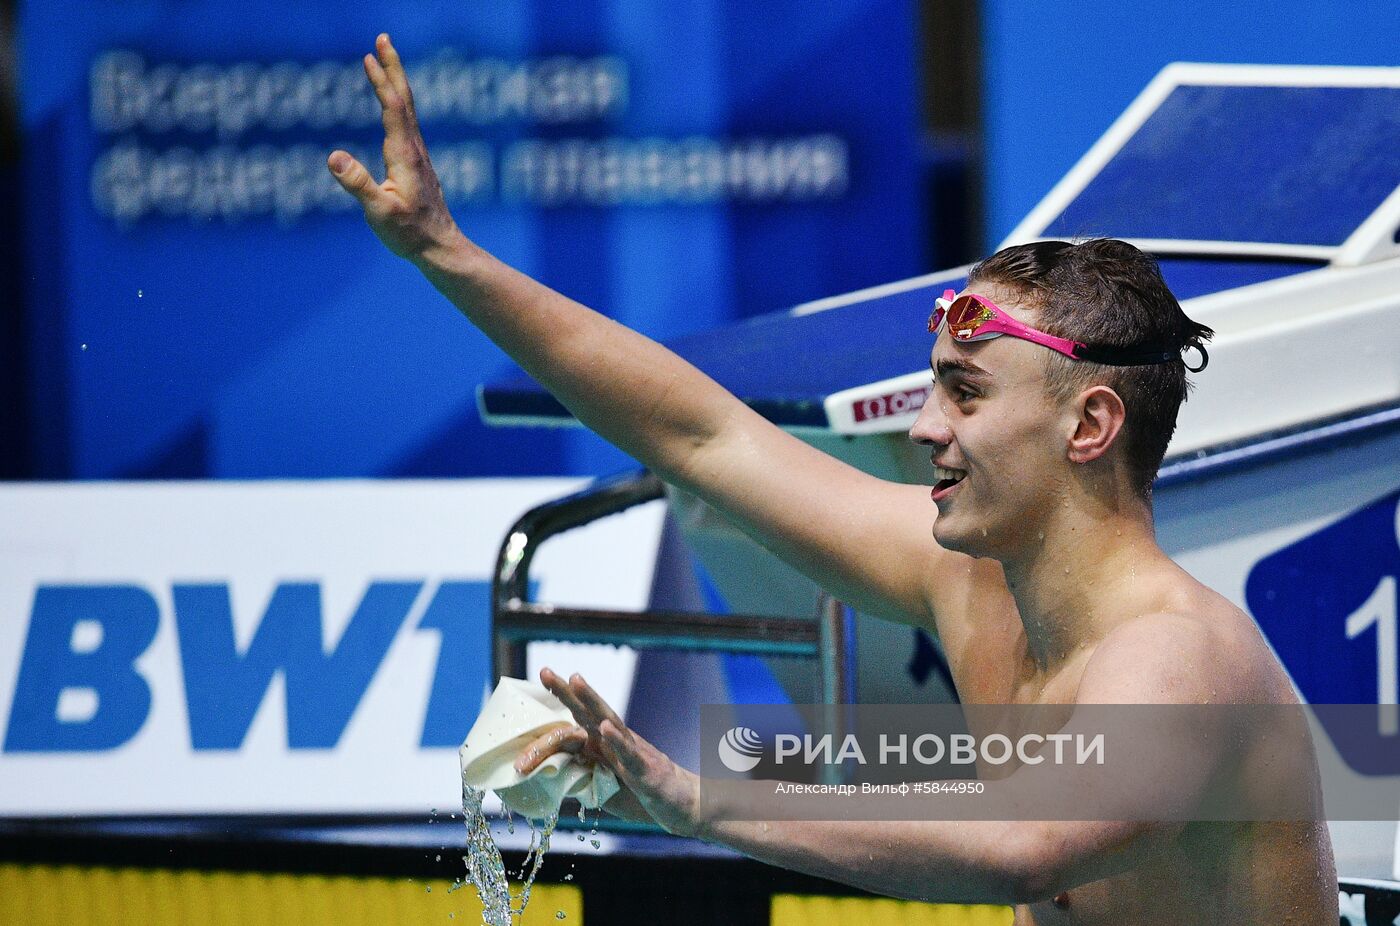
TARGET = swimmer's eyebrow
x,y
965,369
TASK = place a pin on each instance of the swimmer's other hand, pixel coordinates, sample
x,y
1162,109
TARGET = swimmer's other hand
x,y
407,211
653,787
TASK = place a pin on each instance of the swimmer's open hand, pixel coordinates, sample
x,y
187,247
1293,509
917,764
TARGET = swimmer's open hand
x,y
407,210
654,788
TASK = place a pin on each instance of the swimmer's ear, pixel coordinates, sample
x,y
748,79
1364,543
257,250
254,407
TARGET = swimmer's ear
x,y
1099,417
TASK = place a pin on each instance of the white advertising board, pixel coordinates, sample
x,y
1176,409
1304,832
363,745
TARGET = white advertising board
x,y
273,647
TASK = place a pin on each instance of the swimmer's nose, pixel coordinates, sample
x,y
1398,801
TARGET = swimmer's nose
x,y
931,427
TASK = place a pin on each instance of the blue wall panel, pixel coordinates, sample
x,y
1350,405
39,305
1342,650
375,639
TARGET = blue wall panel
x,y
183,328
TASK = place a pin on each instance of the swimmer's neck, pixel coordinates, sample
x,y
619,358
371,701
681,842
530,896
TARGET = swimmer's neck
x,y
1084,574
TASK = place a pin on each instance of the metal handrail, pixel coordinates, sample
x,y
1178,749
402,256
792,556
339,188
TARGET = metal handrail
x,y
516,620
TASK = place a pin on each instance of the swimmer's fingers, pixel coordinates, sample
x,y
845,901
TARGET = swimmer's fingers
x,y
408,171
627,751
354,178
407,210
592,702
669,794
634,757
565,737
565,693
400,128
595,716
393,68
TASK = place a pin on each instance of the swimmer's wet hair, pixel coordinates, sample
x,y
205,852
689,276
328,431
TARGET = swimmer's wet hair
x,y
1105,291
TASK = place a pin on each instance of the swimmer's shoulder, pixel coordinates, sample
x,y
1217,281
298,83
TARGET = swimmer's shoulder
x,y
1243,666
1203,650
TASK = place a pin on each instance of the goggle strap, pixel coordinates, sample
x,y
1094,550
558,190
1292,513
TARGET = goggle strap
x,y
1123,356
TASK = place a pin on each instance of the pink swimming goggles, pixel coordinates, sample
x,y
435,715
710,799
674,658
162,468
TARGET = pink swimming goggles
x,y
971,317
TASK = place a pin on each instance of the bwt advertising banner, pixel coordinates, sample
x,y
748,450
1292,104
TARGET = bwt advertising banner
x,y
272,647
205,302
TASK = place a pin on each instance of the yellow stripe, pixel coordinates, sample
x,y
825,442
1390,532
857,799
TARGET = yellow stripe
x,y
800,910
65,895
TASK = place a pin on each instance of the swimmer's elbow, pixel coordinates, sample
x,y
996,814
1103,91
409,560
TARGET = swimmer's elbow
x,y
1032,865
1043,859
1031,886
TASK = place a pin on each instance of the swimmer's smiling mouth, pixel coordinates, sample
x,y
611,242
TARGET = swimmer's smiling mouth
x,y
947,479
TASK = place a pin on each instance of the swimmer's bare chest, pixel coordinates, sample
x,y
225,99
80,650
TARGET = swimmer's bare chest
x,y
1212,873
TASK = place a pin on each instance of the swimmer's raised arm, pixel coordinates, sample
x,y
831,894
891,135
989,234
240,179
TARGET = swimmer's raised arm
x,y
867,540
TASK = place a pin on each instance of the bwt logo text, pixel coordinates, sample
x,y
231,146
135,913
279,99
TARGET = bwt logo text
x,y
79,688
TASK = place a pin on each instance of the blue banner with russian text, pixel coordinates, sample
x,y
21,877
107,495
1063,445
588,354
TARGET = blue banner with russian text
x,y
204,302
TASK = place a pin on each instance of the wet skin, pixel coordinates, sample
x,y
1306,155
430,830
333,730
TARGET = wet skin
x,y
990,415
1040,576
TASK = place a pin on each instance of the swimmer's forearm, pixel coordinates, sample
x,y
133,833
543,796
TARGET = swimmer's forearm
x,y
626,387
943,861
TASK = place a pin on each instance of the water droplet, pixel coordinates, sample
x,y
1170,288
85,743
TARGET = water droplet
x,y
140,294
485,869
84,347
559,915
437,858
581,837
569,877
429,888
595,843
